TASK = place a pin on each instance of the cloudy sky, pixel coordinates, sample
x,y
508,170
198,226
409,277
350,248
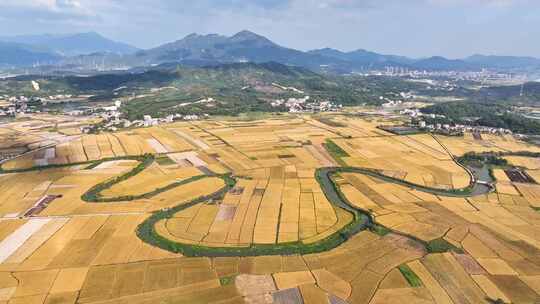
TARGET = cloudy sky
x,y
417,28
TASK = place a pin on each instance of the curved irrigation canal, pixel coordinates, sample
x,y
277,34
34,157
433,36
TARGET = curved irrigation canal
x,y
362,219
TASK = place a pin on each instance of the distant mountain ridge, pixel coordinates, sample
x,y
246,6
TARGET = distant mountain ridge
x,y
441,63
361,56
15,54
91,50
244,46
73,44
503,61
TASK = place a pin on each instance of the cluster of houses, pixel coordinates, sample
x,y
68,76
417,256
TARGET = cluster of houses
x,y
7,110
306,105
480,76
112,120
461,129
447,129
11,105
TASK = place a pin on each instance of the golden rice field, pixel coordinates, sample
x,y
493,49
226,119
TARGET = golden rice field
x,y
75,251
94,147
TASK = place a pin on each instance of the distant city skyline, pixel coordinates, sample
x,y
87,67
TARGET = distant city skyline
x,y
416,28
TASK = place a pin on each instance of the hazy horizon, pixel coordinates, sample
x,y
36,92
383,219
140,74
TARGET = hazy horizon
x,y
418,28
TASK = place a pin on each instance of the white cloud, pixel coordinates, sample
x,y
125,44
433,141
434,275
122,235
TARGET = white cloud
x,y
41,4
409,3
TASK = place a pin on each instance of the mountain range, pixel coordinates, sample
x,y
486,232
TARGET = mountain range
x,y
244,46
16,54
87,49
73,44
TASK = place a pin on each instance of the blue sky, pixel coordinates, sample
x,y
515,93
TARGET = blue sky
x,y
418,28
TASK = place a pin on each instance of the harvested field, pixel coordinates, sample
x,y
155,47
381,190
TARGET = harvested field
x,y
286,280
332,283
457,283
403,295
287,296
254,284
16,239
519,176
313,294
152,178
514,289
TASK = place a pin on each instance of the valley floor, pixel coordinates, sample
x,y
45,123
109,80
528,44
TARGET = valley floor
x,y
59,244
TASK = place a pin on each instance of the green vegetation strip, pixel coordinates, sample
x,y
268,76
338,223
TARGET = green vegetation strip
x,y
410,276
336,151
441,245
380,230
165,161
